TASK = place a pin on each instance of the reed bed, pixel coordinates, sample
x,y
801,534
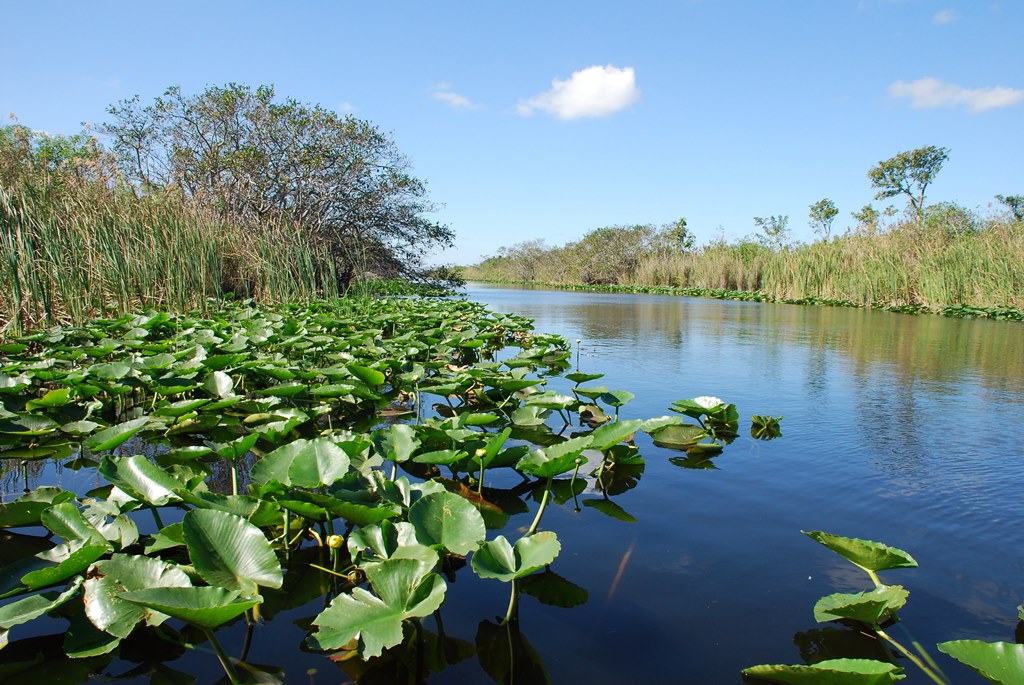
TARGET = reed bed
x,y
909,266
72,247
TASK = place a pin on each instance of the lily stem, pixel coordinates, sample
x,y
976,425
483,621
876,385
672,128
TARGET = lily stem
x,y
913,657
156,519
540,512
513,600
222,656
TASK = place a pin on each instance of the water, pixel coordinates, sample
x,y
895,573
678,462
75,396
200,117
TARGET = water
x,y
901,429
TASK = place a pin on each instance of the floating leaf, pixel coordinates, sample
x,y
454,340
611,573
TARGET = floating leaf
x,y
67,567
390,541
109,438
141,478
831,672
999,662
119,574
206,607
403,591
440,457
31,608
366,374
867,554
27,510
612,434
29,425
498,559
306,463
228,551
447,520
66,520
554,460
679,435
530,415
52,399
867,607
397,443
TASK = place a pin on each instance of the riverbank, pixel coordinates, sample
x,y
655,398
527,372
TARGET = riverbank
x,y
952,264
953,311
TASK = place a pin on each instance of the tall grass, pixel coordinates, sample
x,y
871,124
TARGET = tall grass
x,y
934,266
74,247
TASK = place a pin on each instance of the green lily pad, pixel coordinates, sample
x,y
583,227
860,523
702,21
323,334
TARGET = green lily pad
x,y
141,478
999,662
498,559
867,554
402,590
230,552
109,438
444,519
867,607
206,607
830,672
556,459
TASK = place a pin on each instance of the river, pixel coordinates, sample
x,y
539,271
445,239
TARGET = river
x,y
901,429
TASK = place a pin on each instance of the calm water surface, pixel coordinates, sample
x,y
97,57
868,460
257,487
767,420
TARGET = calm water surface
x,y
901,429
906,430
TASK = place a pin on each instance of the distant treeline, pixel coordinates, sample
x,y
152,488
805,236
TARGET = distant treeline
x,y
950,257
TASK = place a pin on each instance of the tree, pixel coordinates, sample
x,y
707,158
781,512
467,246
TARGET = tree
x,y
950,219
611,254
822,214
908,173
679,236
867,219
255,158
1015,203
774,230
78,156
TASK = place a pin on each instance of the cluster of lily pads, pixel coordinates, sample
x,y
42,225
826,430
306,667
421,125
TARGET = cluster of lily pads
x,y
257,459
873,612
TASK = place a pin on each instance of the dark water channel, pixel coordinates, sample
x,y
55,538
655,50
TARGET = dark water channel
x,y
906,430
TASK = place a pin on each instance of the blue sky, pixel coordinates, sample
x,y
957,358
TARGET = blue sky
x,y
541,119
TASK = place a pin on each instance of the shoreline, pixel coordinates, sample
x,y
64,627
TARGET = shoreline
x,y
949,311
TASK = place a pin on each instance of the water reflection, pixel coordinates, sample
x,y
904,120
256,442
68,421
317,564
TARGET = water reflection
x,y
903,429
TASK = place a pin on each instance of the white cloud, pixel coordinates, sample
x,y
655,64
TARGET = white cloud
x,y
444,93
596,91
931,92
945,17
345,107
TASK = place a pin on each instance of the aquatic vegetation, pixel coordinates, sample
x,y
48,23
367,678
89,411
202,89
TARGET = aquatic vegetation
x,y
876,610
357,452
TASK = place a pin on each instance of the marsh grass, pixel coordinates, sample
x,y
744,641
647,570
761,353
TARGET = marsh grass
x,y
73,247
933,267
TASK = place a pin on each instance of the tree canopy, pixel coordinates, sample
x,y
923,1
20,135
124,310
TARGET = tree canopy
x,y
822,214
253,157
908,173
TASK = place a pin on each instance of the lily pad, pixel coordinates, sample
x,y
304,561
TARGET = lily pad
x,y
867,554
831,672
230,552
402,590
999,662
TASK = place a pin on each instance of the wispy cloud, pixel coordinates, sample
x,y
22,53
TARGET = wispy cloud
x,y
345,107
444,93
932,92
596,91
946,16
